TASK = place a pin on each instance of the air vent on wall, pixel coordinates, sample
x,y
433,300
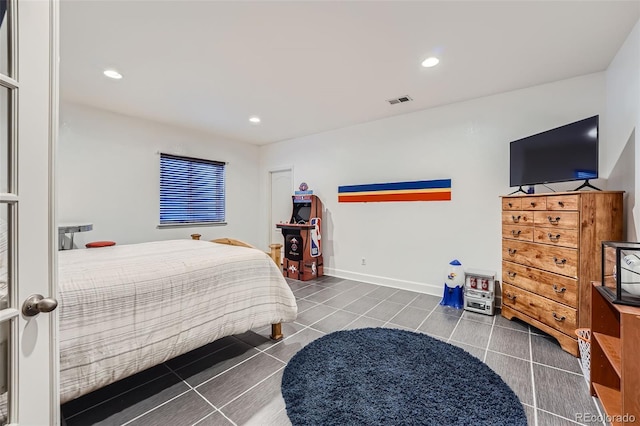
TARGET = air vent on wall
x,y
399,100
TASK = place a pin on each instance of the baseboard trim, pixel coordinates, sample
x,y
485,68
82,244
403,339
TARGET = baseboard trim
x,y
432,289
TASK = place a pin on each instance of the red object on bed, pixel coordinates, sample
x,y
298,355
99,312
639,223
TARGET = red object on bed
x,y
95,244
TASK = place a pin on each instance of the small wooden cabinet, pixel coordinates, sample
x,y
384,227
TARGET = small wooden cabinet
x,y
551,247
615,364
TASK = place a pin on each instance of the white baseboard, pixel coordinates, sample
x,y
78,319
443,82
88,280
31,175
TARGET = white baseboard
x,y
432,289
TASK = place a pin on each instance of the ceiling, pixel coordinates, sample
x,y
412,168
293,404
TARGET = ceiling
x,y
307,67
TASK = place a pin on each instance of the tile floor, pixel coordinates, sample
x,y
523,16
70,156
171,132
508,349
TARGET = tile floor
x,y
236,380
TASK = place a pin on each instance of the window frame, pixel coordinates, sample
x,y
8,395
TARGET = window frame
x,y
192,160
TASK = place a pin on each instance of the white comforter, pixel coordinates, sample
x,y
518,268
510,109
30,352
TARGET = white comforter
x,y
126,308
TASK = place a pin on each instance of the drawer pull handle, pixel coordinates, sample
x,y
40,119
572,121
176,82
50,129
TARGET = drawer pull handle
x,y
512,251
511,297
515,219
554,238
515,233
561,203
533,204
562,290
557,318
511,274
554,221
510,205
559,261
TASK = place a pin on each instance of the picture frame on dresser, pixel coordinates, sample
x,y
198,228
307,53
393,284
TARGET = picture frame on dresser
x,y
551,251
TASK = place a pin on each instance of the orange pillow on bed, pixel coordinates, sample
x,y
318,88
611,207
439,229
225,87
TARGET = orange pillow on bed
x,y
95,244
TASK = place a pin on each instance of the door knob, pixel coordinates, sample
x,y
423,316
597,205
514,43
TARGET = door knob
x,y
36,303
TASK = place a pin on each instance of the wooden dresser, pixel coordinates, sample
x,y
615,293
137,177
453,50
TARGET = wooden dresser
x,y
551,253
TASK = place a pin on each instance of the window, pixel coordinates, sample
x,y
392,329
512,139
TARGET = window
x,y
191,191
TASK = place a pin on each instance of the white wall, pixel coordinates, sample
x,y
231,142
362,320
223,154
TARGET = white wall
x,y
108,174
409,244
621,154
108,171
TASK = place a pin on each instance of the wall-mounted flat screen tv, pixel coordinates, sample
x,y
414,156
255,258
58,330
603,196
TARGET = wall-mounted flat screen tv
x,y
562,154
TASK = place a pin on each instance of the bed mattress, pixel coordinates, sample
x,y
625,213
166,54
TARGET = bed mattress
x,y
126,308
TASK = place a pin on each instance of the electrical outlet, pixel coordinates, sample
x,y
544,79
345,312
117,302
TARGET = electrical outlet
x,y
363,261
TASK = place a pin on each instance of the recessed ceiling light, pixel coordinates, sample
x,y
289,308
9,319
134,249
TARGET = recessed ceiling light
x,y
430,62
113,74
254,120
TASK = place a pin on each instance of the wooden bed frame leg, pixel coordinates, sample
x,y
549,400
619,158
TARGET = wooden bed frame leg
x,y
195,236
276,331
276,250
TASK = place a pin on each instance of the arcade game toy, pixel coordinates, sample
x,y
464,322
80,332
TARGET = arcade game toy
x,y
302,246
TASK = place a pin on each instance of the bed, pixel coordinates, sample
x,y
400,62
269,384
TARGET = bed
x,y
125,308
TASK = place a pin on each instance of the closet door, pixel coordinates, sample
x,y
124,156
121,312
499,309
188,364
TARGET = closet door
x,y
281,205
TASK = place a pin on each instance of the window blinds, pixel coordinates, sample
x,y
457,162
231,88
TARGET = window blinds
x,y
191,190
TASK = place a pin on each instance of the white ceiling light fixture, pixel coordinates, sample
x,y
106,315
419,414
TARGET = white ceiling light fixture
x,y
255,119
113,74
430,62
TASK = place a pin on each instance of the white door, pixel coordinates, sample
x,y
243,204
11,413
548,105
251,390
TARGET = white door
x,y
28,116
281,206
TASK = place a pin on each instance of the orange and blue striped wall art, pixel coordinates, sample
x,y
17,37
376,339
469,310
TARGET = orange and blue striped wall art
x,y
421,190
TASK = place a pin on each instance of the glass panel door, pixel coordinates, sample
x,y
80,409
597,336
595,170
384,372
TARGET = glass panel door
x,y
8,313
5,40
28,102
5,108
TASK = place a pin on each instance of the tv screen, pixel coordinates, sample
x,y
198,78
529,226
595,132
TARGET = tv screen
x,y
301,213
562,154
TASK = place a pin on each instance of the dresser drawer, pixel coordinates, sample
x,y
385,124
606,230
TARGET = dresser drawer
x,y
561,260
517,218
534,203
511,204
556,219
563,202
556,315
555,236
522,233
552,286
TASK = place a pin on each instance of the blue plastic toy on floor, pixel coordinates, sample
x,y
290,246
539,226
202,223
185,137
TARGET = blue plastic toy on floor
x,y
453,286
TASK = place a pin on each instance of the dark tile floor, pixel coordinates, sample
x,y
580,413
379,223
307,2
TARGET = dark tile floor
x,y
236,380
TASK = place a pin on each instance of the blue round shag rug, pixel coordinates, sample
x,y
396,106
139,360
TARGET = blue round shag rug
x,y
383,376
